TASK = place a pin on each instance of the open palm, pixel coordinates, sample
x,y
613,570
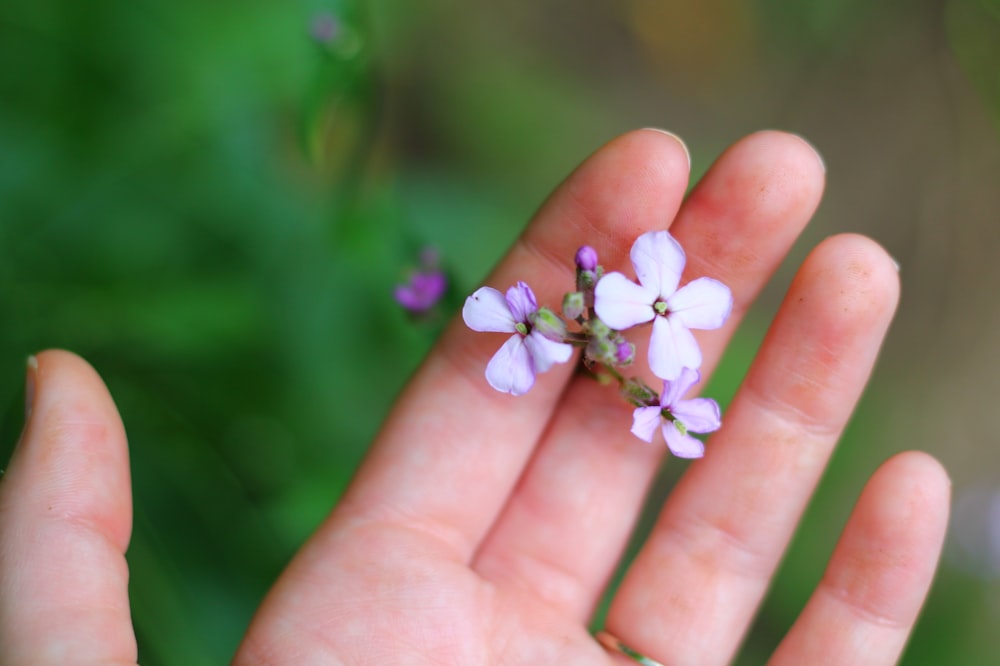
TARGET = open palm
x,y
482,529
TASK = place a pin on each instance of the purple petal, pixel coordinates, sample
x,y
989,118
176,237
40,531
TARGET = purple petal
x,y
486,310
510,370
408,297
704,303
521,301
698,414
544,352
644,422
621,303
422,292
681,445
672,348
658,260
674,390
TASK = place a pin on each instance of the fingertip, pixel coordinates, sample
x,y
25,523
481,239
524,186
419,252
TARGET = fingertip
x,y
857,276
673,137
919,476
72,459
794,147
767,185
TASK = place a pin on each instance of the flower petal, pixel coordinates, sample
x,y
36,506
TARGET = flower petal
x,y
674,390
644,422
672,348
422,292
621,303
486,310
698,414
521,301
681,445
704,303
658,260
510,370
544,352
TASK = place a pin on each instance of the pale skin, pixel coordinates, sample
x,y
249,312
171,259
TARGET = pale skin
x,y
482,528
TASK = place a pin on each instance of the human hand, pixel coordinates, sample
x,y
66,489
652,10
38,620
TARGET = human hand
x,y
482,529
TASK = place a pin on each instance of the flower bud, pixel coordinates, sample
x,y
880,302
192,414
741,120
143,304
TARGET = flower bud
x,y
548,323
586,258
625,353
598,329
603,345
573,305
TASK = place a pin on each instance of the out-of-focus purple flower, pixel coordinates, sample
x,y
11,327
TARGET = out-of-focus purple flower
x,y
678,417
424,289
704,303
325,28
528,351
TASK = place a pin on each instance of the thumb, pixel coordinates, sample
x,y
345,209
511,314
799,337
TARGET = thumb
x,y
65,521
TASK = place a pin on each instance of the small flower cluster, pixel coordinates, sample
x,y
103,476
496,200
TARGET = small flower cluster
x,y
603,306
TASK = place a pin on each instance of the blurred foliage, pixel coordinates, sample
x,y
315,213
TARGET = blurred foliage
x,y
212,205
974,33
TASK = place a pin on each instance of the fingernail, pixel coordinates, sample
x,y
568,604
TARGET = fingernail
x,y
675,138
819,157
29,386
894,262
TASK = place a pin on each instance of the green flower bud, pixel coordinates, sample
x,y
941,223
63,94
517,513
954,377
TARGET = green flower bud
x,y
573,305
548,323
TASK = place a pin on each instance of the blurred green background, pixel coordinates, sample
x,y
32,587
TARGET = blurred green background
x,y
212,206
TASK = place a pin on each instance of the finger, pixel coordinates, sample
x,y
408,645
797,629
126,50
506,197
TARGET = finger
x,y
699,578
865,606
65,522
588,479
452,448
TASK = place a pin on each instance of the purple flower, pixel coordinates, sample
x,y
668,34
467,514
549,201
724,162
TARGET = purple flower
x,y
528,352
325,28
422,292
678,417
704,303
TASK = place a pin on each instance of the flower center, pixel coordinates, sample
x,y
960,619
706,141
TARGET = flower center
x,y
521,328
661,307
673,419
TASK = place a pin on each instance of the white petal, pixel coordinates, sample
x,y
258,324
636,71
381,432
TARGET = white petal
x,y
621,303
698,414
545,352
672,348
682,446
510,370
644,422
675,390
486,310
703,303
658,260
